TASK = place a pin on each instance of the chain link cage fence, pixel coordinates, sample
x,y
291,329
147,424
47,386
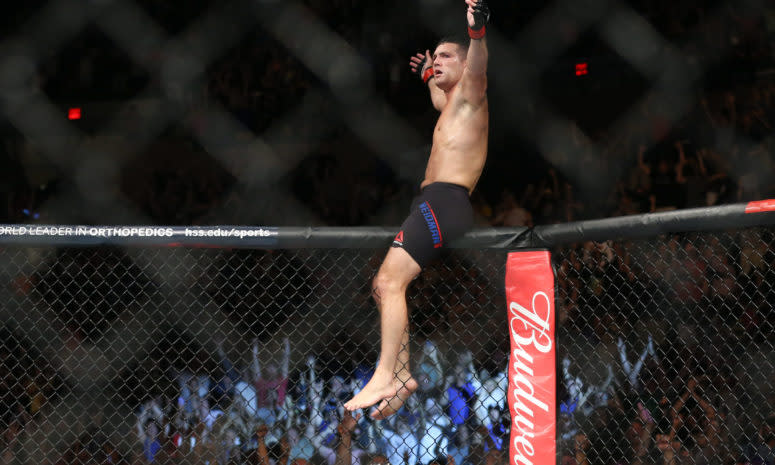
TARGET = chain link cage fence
x,y
182,355
107,352
667,349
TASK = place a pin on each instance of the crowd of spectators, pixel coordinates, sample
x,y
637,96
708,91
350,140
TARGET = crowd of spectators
x,y
239,418
677,337
262,414
266,414
665,348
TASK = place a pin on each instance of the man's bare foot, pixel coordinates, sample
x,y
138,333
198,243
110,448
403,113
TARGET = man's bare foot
x,y
390,406
379,387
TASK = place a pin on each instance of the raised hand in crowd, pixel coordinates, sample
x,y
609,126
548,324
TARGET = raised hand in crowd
x,y
262,454
692,391
286,357
345,431
641,437
673,452
632,371
256,363
285,449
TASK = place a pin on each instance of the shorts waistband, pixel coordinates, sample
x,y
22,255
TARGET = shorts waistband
x,y
445,185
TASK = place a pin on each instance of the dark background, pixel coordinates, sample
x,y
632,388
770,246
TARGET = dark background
x,y
562,146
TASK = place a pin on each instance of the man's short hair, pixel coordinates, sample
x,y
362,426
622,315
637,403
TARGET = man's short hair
x,y
462,41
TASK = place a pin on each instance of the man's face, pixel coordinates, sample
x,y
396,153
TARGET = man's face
x,y
448,65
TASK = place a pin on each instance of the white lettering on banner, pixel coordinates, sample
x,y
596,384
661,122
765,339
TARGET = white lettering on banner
x,y
523,390
36,231
530,319
523,448
133,231
123,232
13,230
233,232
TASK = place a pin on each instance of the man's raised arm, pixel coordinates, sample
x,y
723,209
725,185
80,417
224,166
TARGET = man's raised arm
x,y
476,60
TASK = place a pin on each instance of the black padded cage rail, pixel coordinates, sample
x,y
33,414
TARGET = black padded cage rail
x,y
152,344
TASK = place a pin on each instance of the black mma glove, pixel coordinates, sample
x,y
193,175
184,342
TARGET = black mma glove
x,y
481,18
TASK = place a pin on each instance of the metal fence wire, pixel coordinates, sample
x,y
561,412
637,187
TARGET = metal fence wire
x,y
180,355
668,349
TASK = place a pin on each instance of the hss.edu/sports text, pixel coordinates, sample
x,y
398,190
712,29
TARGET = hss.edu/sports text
x,y
229,232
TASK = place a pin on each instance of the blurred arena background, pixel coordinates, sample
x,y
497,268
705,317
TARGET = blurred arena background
x,y
288,113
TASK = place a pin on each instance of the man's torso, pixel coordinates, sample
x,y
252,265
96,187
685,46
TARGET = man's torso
x,y
459,143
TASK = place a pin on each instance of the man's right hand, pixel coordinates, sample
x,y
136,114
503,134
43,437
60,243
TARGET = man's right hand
x,y
422,65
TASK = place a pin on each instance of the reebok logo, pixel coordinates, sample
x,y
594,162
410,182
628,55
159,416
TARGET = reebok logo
x,y
399,239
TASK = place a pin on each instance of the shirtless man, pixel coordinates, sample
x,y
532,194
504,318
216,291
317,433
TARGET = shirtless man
x,y
456,75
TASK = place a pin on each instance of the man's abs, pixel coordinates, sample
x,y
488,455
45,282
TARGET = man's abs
x,y
459,147
454,168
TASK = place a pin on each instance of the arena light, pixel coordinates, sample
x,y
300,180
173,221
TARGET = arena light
x,y
74,113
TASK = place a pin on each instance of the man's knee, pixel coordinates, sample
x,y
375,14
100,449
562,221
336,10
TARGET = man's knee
x,y
383,285
375,292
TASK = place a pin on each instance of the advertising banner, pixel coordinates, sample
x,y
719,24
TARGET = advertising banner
x,y
532,369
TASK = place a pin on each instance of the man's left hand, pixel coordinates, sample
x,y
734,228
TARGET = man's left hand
x,y
478,14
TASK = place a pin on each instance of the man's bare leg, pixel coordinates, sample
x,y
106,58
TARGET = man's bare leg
x,y
394,276
403,382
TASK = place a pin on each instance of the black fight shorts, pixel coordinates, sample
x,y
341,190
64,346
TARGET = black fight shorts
x,y
441,213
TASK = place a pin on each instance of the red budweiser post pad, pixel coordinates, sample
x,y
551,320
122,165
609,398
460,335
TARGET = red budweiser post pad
x,y
532,375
